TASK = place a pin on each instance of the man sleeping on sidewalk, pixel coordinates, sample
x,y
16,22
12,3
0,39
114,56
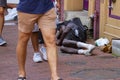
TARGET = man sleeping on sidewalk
x,y
71,38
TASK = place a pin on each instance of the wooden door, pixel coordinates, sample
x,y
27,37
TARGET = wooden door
x,y
110,18
85,4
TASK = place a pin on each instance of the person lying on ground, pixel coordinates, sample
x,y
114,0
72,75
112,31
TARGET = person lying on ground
x,y
69,40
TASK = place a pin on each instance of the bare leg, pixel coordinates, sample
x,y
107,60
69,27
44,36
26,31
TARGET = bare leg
x,y
70,43
77,44
22,51
1,20
50,42
69,50
9,5
2,41
35,43
34,38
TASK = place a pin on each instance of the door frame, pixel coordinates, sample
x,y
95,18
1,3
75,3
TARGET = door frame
x,y
85,4
110,11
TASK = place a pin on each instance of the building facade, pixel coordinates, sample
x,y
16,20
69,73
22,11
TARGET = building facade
x,y
106,18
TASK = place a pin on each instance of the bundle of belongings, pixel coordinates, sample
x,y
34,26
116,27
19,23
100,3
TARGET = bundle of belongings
x,y
104,44
112,47
107,48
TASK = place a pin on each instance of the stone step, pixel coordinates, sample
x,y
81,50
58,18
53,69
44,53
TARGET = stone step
x,y
83,15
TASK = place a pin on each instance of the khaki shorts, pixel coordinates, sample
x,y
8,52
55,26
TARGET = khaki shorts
x,y
26,21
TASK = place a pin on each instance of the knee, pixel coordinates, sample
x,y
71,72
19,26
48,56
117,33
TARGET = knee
x,y
65,41
62,48
24,37
50,41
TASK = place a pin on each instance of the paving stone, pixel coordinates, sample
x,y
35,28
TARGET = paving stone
x,y
101,66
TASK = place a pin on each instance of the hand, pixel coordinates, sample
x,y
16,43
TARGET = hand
x,y
58,5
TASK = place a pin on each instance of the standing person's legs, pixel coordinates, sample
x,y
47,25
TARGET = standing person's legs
x,y
49,38
25,27
22,51
48,29
11,12
36,56
35,43
1,19
2,8
11,9
42,46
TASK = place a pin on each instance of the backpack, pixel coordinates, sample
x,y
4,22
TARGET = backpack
x,y
82,29
71,35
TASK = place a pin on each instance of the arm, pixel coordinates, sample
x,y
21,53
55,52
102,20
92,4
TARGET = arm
x,y
58,33
64,33
58,4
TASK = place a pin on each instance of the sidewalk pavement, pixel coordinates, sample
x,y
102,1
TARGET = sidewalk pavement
x,y
101,66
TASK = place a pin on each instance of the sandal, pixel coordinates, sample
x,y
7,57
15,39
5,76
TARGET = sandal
x,y
21,78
